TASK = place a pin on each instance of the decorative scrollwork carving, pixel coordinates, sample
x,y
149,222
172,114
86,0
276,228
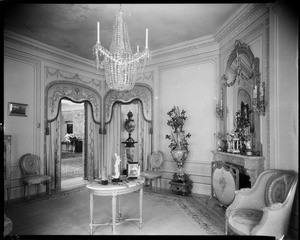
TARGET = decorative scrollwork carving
x,y
74,92
138,92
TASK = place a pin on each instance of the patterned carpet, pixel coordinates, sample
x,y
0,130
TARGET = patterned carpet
x,y
71,168
164,215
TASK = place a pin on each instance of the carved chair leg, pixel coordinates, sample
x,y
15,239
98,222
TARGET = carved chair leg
x,y
226,226
8,194
37,189
160,183
28,192
48,187
24,191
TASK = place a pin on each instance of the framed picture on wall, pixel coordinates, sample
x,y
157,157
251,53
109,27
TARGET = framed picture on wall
x,y
133,170
17,109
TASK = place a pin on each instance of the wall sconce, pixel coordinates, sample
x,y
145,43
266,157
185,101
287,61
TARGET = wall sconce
x,y
219,111
259,103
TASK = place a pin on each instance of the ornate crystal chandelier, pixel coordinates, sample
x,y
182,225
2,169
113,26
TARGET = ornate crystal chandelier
x,y
120,65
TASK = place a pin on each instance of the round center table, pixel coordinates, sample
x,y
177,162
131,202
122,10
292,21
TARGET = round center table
x,y
115,189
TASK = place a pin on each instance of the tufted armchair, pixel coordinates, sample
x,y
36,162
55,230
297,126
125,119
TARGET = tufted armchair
x,y
265,208
156,159
29,164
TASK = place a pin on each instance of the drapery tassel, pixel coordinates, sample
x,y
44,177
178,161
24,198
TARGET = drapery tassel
x,y
47,132
150,130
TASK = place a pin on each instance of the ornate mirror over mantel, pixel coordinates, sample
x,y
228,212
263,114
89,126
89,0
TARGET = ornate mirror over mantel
x,y
242,102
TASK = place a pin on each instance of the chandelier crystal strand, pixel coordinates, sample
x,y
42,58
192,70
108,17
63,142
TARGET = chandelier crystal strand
x,y
120,65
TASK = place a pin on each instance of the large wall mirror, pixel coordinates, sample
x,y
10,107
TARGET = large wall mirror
x,y
243,95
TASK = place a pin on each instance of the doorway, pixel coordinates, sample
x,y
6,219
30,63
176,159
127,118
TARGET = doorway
x,y
72,142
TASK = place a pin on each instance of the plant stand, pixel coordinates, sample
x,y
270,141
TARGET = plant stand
x,y
182,188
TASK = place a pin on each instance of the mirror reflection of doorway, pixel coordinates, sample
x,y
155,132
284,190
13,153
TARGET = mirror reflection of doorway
x,y
72,138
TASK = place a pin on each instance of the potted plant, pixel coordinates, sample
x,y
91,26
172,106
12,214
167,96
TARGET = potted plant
x,y
179,145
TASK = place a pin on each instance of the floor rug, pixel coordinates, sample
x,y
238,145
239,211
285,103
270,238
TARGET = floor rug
x,y
68,214
71,168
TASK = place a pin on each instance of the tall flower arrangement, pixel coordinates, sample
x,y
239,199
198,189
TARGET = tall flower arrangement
x,y
178,137
179,145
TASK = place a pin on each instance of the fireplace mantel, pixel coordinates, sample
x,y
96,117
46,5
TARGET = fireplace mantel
x,y
253,165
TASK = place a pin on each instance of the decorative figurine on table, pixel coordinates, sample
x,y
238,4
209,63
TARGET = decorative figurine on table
x,y
116,177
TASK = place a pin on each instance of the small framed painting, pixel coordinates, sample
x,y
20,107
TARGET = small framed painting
x,y
133,169
17,109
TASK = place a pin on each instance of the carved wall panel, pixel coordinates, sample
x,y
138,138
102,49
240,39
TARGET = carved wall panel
x,y
52,74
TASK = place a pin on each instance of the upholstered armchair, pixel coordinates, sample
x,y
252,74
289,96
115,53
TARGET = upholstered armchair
x,y
30,164
265,208
156,159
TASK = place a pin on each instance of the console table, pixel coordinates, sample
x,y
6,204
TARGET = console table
x,y
252,166
115,190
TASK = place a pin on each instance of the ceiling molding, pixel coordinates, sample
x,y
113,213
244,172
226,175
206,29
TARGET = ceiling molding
x,y
245,16
184,50
24,44
47,52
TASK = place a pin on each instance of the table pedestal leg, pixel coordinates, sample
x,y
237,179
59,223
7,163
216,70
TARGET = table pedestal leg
x,y
141,207
119,209
91,212
114,214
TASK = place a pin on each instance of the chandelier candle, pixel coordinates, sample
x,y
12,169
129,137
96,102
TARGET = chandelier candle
x,y
98,32
146,38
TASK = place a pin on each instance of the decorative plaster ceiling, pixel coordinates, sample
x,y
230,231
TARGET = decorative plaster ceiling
x,y
72,27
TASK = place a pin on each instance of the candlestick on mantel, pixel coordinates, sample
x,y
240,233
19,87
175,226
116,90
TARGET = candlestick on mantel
x,y
221,104
146,38
98,32
255,92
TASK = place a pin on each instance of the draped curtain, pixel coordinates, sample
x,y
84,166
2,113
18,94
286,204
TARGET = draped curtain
x,y
115,131
92,145
144,139
53,151
91,148
112,140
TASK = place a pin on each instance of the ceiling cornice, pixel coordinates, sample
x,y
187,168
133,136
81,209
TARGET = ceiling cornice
x,y
243,18
185,49
30,46
182,50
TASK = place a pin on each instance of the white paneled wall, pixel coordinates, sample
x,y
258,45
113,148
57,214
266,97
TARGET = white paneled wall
x,y
192,88
19,82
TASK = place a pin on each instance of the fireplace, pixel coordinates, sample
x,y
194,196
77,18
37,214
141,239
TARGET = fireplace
x,y
250,166
231,172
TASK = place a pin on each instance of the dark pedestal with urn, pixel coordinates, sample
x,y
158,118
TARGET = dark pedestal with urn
x,y
181,188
